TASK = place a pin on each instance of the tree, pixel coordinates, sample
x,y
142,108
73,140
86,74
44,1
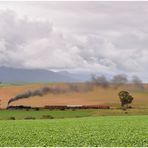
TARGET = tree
x,y
119,80
125,98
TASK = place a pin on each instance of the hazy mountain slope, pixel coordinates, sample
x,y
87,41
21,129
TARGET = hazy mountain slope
x,y
12,75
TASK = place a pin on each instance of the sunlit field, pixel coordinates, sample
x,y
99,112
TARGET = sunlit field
x,y
97,96
91,131
74,127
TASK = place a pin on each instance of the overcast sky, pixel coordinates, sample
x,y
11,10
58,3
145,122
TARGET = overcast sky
x,y
105,37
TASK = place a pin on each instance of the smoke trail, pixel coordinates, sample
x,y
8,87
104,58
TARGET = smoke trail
x,y
38,92
55,90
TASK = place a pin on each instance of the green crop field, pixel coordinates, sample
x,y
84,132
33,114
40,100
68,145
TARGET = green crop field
x,y
88,131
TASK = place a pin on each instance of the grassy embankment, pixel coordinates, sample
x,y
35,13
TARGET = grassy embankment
x,y
41,114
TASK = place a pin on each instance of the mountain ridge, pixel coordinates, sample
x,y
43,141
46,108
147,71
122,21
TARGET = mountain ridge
x,y
20,75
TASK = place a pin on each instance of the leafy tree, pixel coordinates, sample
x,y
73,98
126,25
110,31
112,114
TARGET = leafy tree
x,y
125,98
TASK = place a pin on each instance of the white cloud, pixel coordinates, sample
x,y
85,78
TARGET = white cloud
x,y
106,37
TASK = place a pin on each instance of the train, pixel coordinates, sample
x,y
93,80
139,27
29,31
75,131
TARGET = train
x,y
77,107
61,107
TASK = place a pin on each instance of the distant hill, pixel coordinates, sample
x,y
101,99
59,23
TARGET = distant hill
x,y
15,75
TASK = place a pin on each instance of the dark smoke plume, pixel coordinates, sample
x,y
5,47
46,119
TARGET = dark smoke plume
x,y
55,90
38,92
119,80
99,81
138,82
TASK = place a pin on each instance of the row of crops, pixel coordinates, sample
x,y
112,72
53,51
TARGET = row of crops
x,y
88,131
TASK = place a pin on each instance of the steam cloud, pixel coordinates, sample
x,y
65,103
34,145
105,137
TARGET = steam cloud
x,y
99,81
117,80
38,92
56,90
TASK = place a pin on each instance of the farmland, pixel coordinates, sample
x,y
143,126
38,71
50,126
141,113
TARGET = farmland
x,y
74,127
97,96
90,131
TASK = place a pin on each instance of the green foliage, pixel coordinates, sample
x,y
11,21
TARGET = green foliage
x,y
11,118
47,117
125,98
85,132
29,118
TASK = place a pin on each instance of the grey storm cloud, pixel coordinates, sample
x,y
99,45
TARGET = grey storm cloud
x,y
110,37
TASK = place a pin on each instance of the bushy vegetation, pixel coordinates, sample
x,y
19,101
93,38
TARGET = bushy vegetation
x,y
29,118
125,99
92,131
47,117
11,118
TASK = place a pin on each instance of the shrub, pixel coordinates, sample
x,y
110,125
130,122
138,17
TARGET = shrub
x,y
47,117
29,118
62,108
12,118
37,109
